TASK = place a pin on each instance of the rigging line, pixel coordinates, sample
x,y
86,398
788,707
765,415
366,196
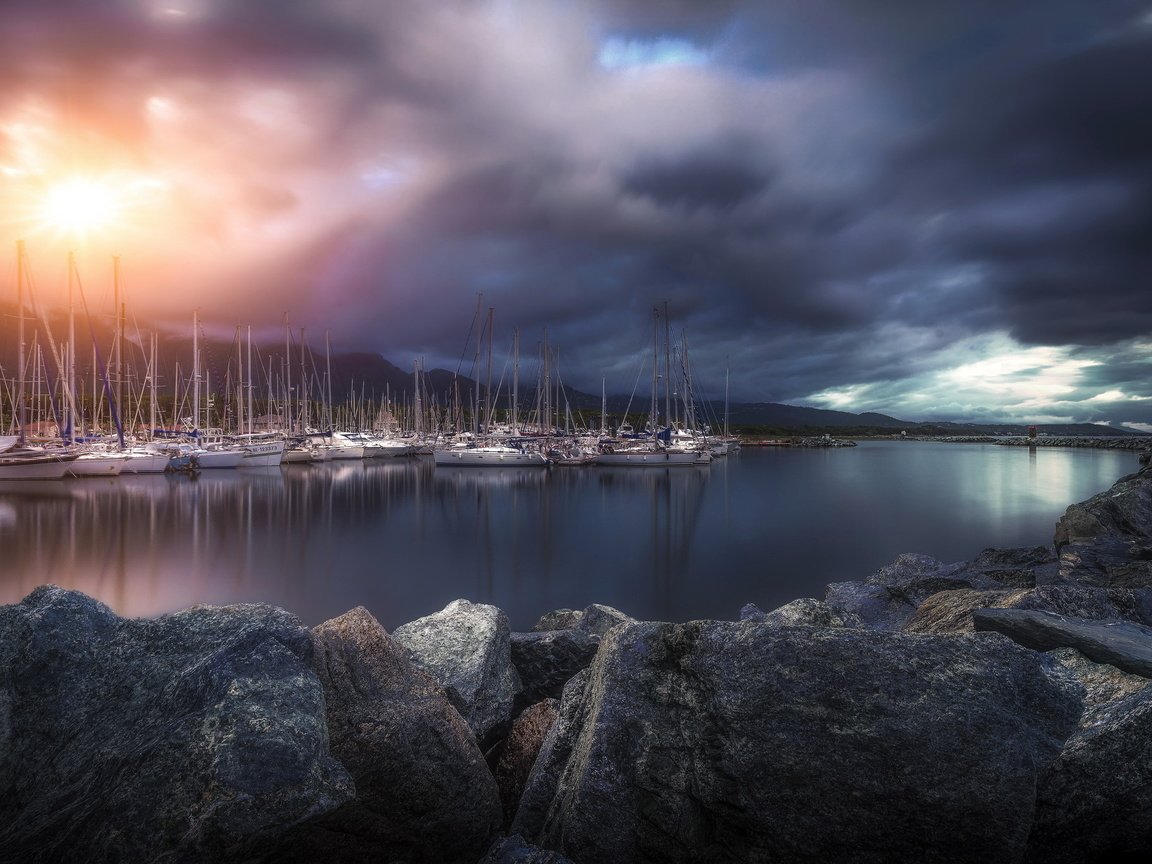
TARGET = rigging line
x,y
43,322
113,407
472,326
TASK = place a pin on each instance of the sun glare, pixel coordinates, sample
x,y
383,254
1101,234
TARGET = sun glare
x,y
80,206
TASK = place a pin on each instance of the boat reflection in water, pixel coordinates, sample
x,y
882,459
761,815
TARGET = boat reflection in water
x,y
401,537
404,537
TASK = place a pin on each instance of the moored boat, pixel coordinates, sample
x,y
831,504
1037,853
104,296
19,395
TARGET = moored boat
x,y
490,454
97,465
34,463
261,449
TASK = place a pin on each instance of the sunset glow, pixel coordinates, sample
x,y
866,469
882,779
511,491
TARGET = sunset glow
x,y
80,206
846,206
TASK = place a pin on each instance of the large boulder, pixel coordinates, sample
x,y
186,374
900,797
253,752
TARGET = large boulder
x,y
951,611
196,736
713,741
595,620
892,597
1122,644
1104,685
423,790
1107,540
888,598
1094,803
466,647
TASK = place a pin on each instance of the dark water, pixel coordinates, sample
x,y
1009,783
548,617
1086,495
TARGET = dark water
x,y
403,538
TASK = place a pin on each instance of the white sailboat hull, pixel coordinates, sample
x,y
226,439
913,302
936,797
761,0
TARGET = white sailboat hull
x,y
144,462
98,465
219,458
266,455
649,458
46,467
488,456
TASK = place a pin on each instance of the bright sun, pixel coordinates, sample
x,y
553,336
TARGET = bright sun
x,y
80,206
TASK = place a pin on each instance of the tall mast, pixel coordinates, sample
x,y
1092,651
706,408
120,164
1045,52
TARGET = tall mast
x,y
546,409
251,385
667,369
239,383
725,401
304,418
603,407
287,375
328,360
488,395
70,397
21,407
655,366
152,387
417,406
515,379
196,370
118,311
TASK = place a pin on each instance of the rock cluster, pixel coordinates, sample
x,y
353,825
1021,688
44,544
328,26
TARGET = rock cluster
x,y
995,709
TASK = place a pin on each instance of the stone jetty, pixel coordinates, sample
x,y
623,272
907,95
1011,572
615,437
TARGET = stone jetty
x,y
996,709
1102,442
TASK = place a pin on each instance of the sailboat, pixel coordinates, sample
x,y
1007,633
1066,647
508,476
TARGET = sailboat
x,y
18,461
261,449
655,450
493,451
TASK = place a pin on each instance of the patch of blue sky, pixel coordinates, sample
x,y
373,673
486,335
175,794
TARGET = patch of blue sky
x,y
619,53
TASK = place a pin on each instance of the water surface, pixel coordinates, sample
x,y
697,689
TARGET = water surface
x,y
403,537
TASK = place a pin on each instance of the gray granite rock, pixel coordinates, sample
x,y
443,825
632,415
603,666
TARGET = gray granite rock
x,y
196,736
874,607
423,790
1107,540
806,612
713,741
545,660
514,850
519,753
1093,804
1122,644
466,647
1103,685
598,619
752,612
557,619
951,611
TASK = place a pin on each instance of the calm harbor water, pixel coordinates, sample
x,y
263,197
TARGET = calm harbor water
x,y
403,537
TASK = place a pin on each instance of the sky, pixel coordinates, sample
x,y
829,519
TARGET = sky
x,y
938,210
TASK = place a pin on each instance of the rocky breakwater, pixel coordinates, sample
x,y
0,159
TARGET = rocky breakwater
x,y
1102,442
995,709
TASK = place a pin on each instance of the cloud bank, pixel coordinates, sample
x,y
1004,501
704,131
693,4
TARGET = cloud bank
x,y
937,211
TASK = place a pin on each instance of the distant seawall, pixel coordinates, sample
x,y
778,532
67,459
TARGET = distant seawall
x,y
1101,443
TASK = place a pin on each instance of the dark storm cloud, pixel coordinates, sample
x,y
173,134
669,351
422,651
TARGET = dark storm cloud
x,y
845,199
713,182
1046,180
